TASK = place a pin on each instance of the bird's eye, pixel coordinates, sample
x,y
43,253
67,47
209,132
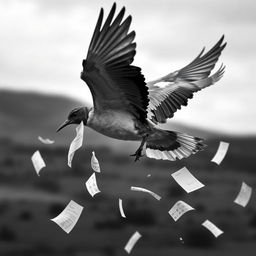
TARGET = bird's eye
x,y
72,114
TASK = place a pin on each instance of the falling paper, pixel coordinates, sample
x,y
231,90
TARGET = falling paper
x,y
45,141
95,163
132,241
146,191
38,162
91,185
68,218
121,208
186,180
211,227
179,209
221,152
244,195
76,143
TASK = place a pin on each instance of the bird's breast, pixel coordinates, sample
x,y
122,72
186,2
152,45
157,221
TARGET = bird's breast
x,y
113,123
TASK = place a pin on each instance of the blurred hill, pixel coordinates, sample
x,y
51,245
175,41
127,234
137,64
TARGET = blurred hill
x,y
25,115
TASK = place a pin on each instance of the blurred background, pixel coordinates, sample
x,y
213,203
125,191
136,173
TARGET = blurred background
x,y
42,44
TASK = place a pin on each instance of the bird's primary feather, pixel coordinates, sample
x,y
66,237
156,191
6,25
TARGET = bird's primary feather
x,y
164,101
107,70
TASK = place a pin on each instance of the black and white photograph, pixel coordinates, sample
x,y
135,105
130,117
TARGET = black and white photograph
x,y
127,127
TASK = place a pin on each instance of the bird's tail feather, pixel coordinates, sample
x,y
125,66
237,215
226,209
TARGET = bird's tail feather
x,y
169,145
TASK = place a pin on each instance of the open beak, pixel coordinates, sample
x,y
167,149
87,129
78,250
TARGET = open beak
x,y
67,122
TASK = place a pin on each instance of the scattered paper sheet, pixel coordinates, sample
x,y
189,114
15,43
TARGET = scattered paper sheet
x,y
221,152
211,227
121,208
95,163
38,162
132,241
146,191
186,180
68,218
244,195
76,143
45,141
91,185
179,209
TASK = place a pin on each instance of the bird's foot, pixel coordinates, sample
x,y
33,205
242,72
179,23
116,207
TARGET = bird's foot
x,y
138,154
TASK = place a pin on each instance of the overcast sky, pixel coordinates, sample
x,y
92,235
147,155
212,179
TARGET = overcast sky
x,y
43,42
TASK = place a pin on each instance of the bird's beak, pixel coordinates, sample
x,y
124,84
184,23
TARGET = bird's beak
x,y
67,122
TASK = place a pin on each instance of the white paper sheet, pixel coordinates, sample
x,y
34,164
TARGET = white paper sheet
x,y
221,152
179,209
45,141
38,162
211,227
132,241
244,195
186,180
91,185
68,218
76,143
121,208
146,191
95,163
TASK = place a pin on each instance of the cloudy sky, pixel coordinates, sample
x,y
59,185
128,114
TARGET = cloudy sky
x,y
43,42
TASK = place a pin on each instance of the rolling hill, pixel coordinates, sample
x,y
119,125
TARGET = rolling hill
x,y
26,115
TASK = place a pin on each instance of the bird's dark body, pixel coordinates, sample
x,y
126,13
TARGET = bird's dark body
x,y
118,124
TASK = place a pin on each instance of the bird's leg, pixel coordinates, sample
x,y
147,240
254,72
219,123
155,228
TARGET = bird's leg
x,y
138,153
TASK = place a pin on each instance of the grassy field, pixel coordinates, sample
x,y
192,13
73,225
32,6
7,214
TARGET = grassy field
x,y
28,202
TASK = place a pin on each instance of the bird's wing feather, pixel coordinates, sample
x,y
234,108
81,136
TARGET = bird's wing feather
x,y
181,84
107,70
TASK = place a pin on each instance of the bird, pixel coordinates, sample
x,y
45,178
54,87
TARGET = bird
x,y
125,107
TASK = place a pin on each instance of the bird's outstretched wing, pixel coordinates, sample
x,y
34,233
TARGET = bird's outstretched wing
x,y
164,101
107,70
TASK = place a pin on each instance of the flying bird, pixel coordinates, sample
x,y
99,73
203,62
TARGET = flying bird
x,y
125,107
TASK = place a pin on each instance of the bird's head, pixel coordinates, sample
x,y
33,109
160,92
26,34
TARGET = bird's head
x,y
76,116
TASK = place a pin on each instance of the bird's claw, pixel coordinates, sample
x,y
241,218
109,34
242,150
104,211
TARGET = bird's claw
x,y
137,155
